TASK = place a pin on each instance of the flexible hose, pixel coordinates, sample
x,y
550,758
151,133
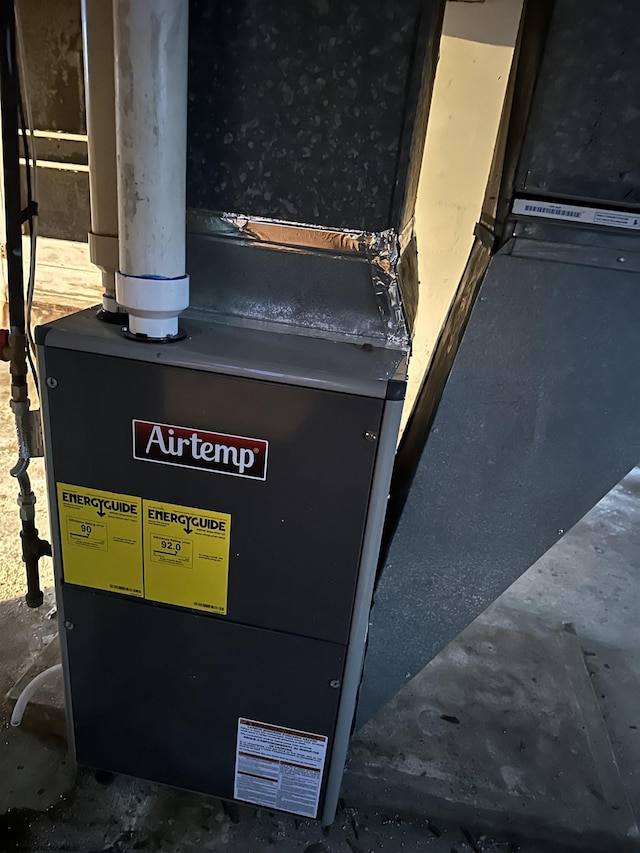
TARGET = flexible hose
x,y
23,480
21,412
32,687
20,469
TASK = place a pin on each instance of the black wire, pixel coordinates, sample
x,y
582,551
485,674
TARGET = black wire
x,y
27,155
29,165
34,372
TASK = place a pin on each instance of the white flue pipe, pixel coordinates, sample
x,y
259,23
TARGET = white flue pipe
x,y
151,142
97,41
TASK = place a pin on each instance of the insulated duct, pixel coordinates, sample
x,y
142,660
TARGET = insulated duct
x,y
151,143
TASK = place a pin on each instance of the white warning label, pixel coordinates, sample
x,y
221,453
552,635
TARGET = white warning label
x,y
576,213
279,768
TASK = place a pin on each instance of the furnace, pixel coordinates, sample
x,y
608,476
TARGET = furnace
x,y
220,433
217,507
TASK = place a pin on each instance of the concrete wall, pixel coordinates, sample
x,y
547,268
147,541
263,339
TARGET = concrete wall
x,y
475,58
53,47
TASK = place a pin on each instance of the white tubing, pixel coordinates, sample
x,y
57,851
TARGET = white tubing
x,y
151,144
31,688
97,42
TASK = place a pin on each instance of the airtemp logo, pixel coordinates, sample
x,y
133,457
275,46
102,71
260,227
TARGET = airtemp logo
x,y
196,448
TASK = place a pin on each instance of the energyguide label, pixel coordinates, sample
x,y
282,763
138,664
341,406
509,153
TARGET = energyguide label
x,y
279,768
101,534
186,556
164,552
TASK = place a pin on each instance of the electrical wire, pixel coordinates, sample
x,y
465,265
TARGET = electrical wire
x,y
31,173
32,219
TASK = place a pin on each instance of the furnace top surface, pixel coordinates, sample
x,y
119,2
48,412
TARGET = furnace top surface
x,y
252,353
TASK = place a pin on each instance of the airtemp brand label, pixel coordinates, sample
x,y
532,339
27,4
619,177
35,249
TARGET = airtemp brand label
x,y
185,447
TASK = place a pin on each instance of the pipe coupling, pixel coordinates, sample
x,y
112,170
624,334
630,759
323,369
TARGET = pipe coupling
x,y
153,304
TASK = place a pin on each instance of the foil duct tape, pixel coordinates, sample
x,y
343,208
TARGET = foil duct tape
x,y
383,250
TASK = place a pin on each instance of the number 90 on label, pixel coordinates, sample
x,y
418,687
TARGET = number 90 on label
x,y
91,534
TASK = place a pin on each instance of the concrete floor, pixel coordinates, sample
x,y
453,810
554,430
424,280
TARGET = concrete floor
x,y
590,579
501,732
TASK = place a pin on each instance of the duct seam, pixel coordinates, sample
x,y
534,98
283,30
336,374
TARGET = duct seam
x,y
383,250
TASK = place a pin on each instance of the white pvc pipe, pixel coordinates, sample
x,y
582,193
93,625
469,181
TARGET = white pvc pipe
x,y
151,142
32,687
97,42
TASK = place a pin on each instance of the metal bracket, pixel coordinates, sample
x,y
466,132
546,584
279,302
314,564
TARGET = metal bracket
x,y
35,442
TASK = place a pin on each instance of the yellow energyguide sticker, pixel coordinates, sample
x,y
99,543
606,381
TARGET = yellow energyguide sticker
x,y
186,556
101,536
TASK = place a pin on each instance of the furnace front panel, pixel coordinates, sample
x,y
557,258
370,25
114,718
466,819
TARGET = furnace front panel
x,y
158,692
295,536
212,578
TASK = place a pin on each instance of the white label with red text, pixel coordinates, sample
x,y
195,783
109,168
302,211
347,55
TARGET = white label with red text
x,y
279,768
187,447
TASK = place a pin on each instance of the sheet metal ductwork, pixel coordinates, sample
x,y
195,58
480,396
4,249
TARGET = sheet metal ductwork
x,y
528,413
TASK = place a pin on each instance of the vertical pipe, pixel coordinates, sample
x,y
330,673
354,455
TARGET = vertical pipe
x,y
151,143
4,282
9,93
97,41
9,96
32,546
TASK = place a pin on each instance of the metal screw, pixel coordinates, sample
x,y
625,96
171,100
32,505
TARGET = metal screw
x,y
560,531
334,683
52,382
370,436
69,626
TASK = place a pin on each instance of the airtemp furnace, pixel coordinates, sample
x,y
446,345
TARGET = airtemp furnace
x,y
217,505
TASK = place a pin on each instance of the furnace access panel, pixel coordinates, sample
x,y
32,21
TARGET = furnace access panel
x,y
208,533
